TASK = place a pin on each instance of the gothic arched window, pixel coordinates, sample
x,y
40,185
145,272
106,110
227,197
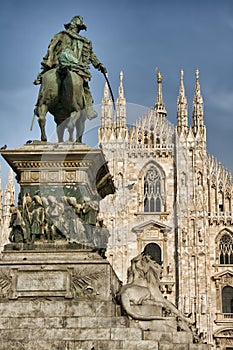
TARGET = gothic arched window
x,y
152,191
154,251
226,249
227,300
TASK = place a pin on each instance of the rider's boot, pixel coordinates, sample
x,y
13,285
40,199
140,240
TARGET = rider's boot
x,y
42,128
91,113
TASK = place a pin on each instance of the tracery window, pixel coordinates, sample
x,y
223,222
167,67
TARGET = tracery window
x,y
226,249
227,300
152,191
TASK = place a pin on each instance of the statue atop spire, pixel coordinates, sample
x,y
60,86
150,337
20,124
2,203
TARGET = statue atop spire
x,y
160,105
159,77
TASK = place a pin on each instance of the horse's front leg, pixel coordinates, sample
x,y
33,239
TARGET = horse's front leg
x,y
70,128
80,127
74,116
71,135
60,132
41,112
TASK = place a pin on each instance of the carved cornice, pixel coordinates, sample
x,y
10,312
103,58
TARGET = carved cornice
x,y
224,278
50,164
56,157
60,164
151,223
141,152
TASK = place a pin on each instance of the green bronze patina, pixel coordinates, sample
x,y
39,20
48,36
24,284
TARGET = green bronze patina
x,y
64,78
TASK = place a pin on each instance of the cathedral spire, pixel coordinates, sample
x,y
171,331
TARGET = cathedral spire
x,y
121,88
9,199
182,107
198,112
9,194
121,107
160,105
106,93
106,113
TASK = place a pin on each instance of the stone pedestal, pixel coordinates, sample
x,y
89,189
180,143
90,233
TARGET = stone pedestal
x,y
56,293
57,298
56,271
60,169
52,296
60,188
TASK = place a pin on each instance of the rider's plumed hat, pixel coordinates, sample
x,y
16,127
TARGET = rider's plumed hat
x,y
77,21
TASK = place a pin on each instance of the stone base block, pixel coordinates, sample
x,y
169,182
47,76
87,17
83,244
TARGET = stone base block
x,y
182,337
80,345
170,346
200,347
55,309
140,345
170,337
72,274
67,322
162,324
64,299
147,309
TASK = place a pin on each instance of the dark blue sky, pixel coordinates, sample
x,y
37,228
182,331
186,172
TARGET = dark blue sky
x,y
132,36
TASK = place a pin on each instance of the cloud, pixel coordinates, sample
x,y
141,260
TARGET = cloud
x,y
229,21
222,100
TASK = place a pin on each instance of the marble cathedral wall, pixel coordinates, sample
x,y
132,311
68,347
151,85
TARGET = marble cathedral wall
x,y
174,200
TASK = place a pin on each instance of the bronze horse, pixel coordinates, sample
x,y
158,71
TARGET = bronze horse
x,y
61,94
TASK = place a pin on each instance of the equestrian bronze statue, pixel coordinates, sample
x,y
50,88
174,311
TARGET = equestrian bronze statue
x,y
64,90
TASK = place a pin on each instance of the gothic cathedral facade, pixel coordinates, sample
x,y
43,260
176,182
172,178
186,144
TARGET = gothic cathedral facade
x,y
174,201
